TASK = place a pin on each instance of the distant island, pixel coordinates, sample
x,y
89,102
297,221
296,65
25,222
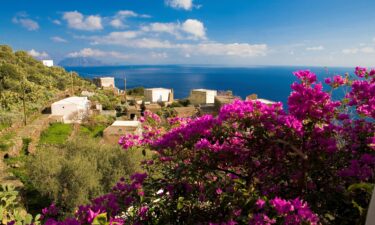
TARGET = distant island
x,y
80,62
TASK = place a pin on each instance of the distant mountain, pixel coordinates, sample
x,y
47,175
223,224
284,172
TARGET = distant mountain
x,y
80,61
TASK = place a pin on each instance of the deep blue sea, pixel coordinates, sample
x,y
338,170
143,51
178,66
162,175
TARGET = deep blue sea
x,y
269,82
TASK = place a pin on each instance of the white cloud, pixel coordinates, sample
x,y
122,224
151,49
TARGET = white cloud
x,y
24,21
195,28
115,37
89,52
180,4
315,48
58,39
232,49
117,23
150,43
159,55
39,55
57,22
366,50
350,50
131,39
190,29
77,20
170,28
129,13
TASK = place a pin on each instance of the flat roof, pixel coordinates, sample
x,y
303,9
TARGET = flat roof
x,y
73,99
158,89
106,77
202,89
126,123
265,101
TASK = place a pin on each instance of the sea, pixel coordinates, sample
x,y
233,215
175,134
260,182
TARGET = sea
x,y
268,82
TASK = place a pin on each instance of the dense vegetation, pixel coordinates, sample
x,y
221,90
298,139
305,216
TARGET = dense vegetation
x,y
72,173
253,163
26,85
137,91
107,98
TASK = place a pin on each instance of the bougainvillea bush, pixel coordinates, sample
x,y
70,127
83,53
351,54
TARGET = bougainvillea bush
x,y
253,163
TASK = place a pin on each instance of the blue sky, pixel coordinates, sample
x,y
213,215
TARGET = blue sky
x,y
222,32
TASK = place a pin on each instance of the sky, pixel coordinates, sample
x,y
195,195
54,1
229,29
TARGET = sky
x,y
213,32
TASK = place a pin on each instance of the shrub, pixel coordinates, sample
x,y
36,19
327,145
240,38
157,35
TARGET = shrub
x,y
94,126
137,91
11,210
6,141
106,98
78,170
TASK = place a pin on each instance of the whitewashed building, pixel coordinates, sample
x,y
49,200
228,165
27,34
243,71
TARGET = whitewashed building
x,y
105,82
48,63
71,110
202,96
265,101
158,95
119,128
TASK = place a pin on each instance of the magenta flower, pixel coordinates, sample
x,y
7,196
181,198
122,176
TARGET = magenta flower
x,y
360,71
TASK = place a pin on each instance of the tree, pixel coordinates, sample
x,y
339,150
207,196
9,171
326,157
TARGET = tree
x,y
81,169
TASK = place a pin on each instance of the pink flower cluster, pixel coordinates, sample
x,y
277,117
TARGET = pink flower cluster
x,y
292,212
309,101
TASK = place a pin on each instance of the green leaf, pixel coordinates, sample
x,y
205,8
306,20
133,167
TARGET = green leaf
x,y
329,216
180,203
100,219
37,217
357,206
368,187
28,219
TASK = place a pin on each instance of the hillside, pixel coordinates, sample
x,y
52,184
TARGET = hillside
x,y
26,85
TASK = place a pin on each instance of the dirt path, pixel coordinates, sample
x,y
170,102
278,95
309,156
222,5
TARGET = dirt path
x,y
33,131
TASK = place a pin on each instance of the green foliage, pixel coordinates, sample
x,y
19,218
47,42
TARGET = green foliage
x,y
137,91
176,104
56,133
8,118
166,112
24,79
107,98
6,141
25,146
94,126
79,170
181,103
12,210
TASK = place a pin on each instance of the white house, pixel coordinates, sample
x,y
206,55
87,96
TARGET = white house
x,y
202,96
113,133
158,95
265,101
71,110
105,82
48,63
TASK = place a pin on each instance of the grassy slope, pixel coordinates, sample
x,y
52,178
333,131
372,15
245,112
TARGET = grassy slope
x,y
20,73
57,133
